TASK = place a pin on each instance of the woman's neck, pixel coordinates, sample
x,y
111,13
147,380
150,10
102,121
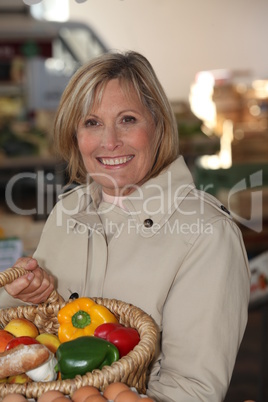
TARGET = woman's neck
x,y
111,199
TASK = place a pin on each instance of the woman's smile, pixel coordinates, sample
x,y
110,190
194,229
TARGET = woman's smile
x,y
118,161
117,140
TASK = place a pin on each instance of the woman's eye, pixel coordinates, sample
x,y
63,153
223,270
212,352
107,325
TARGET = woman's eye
x,y
91,122
129,119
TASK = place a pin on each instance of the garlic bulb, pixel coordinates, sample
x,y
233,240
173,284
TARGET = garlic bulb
x,y
46,372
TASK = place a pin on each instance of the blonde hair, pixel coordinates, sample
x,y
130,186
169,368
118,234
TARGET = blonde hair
x,y
132,69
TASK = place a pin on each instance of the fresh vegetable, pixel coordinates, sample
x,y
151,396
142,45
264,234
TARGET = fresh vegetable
x,y
80,317
84,354
46,372
124,338
21,340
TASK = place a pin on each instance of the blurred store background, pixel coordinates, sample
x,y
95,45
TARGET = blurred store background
x,y
212,60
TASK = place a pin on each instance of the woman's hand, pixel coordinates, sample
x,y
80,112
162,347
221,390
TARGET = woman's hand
x,y
33,287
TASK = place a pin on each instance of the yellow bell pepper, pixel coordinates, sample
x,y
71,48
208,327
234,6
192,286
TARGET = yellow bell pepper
x,y
81,317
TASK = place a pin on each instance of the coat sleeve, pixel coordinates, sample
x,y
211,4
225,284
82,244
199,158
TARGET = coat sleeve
x,y
204,319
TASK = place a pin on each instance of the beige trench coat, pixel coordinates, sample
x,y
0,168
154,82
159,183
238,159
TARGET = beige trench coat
x,y
176,253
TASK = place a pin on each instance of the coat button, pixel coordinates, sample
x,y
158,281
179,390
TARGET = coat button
x,y
225,209
148,223
74,296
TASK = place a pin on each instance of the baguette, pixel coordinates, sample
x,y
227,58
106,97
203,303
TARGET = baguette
x,y
22,358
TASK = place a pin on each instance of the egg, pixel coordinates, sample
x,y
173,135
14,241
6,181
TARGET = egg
x,y
14,398
61,399
84,392
127,396
114,389
95,398
49,396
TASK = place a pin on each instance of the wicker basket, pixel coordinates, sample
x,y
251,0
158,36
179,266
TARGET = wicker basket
x,y
130,369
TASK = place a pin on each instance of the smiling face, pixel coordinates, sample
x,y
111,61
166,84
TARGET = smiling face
x,y
117,140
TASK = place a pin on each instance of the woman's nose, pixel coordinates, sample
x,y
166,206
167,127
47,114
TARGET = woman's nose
x,y
111,138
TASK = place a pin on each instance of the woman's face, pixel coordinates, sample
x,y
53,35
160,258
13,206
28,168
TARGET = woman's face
x,y
117,140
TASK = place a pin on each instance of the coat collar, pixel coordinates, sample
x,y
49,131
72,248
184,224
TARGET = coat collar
x,y
159,197
150,205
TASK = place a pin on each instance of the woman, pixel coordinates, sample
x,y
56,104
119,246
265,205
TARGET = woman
x,y
138,230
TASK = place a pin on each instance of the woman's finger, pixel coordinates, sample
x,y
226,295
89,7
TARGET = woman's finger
x,y
35,286
27,263
19,284
42,283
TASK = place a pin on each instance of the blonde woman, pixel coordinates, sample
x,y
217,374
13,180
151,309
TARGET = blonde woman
x,y
136,229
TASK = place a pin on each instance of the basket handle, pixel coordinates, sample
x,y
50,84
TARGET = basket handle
x,y
10,274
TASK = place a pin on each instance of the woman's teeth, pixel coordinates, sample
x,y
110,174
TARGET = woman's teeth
x,y
115,161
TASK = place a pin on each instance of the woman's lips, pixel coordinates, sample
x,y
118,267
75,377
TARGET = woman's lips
x,y
116,161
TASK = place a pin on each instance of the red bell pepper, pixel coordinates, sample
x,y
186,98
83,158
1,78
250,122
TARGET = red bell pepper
x,y
124,338
21,340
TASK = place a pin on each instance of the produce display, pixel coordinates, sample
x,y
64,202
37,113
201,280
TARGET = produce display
x,y
89,337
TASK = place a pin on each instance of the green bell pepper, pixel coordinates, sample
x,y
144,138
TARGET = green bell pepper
x,y
84,354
